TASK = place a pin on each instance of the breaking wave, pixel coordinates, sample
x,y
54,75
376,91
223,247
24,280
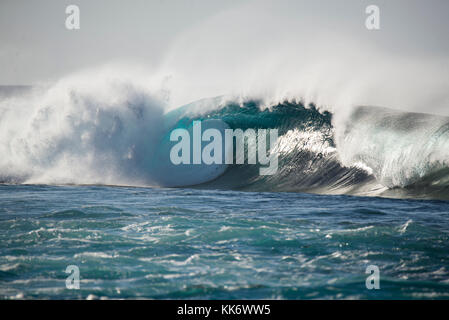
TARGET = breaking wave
x,y
375,151
116,133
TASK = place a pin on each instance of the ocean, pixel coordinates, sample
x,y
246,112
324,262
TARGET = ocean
x,y
357,209
163,243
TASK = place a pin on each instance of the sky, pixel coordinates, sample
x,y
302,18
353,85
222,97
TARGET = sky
x,y
211,47
35,44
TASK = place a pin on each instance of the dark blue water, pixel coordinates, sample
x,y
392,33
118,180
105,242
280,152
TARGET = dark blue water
x,y
187,243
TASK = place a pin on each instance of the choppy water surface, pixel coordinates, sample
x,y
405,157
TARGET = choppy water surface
x,y
187,243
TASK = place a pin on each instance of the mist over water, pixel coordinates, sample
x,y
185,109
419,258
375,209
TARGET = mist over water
x,y
317,52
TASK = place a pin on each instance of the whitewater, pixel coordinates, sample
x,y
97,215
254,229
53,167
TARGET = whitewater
x,y
114,132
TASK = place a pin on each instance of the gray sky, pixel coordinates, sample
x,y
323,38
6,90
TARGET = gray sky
x,y
35,46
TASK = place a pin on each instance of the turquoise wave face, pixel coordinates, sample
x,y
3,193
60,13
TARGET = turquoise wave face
x,y
205,244
180,158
